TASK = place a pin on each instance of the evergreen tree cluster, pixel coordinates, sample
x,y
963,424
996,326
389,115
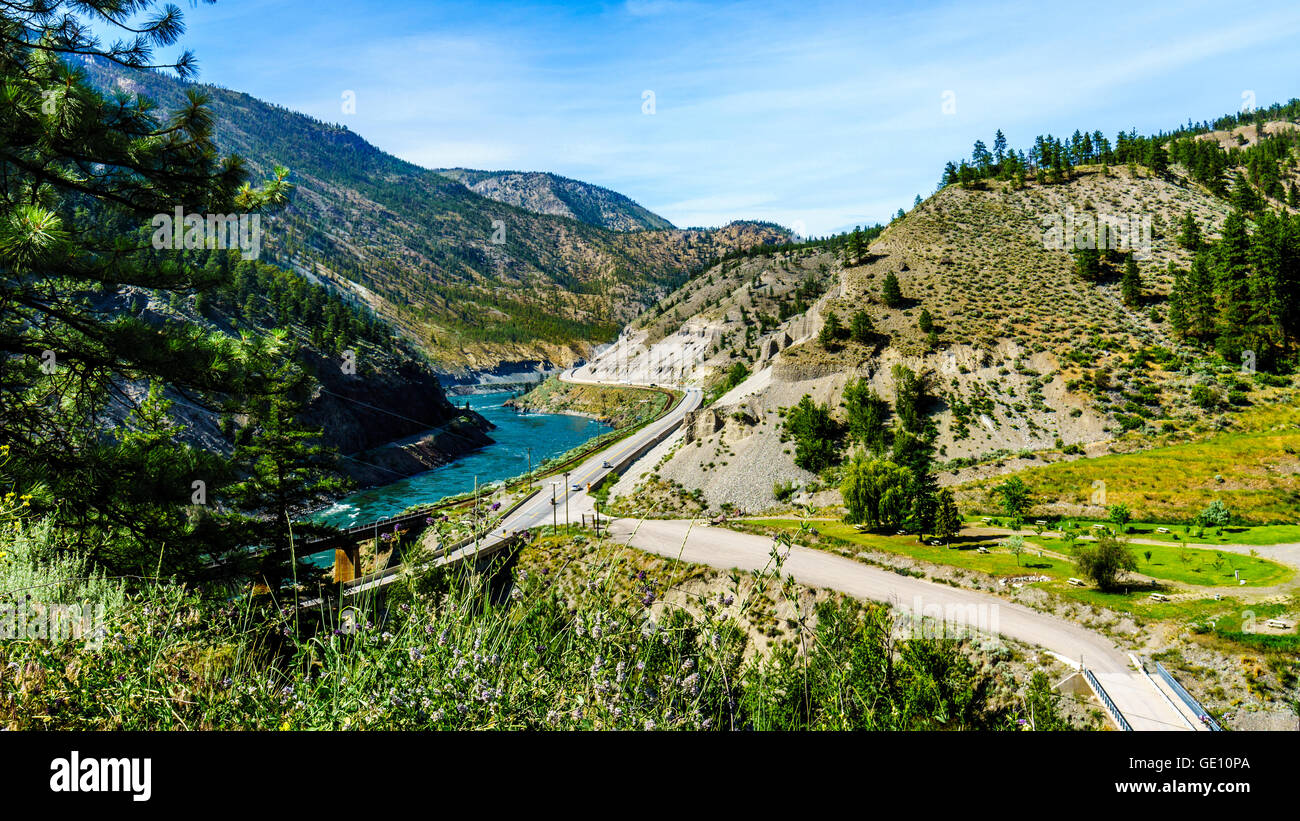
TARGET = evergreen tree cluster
x,y
852,246
890,481
1053,159
1249,175
815,432
1242,292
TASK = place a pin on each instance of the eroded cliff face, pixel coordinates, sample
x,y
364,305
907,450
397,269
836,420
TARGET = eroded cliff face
x,y
383,401
420,452
391,420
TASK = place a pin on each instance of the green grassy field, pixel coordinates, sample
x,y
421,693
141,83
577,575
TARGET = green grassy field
x,y
1251,468
621,406
1186,565
1231,621
1226,617
1181,533
966,554
1263,535
1197,566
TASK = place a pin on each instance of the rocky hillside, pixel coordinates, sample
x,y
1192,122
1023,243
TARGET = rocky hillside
x,y
473,281
1022,355
544,193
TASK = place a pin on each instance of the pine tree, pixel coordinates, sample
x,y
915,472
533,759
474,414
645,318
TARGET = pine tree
x,y
1199,304
815,432
949,175
857,246
1087,263
1131,283
1157,159
286,466
1190,235
1232,284
156,485
1244,197
831,331
891,292
1275,285
81,176
947,520
868,414
968,175
911,396
861,329
915,452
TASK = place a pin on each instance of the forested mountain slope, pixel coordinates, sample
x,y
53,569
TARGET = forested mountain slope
x,y
370,386
473,281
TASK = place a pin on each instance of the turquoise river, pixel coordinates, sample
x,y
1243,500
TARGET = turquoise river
x,y
548,434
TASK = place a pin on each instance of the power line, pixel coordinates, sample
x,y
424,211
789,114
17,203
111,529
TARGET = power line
x,y
428,426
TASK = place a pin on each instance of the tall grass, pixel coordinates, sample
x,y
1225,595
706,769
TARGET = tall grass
x,y
506,649
39,563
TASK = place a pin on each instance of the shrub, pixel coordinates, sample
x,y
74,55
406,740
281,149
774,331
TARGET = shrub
x,y
1119,514
1215,514
1205,397
1104,561
736,374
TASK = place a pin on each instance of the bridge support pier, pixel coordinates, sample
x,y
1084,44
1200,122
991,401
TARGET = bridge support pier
x,y
347,563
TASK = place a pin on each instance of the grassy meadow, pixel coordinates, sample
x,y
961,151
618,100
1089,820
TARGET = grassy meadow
x,y
1252,468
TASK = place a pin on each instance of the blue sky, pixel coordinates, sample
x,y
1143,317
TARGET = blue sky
x,y
818,115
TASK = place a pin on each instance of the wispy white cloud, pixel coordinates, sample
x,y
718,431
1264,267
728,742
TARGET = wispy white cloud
x,y
827,111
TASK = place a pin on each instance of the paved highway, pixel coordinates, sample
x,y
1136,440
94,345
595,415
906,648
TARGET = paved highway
x,y
537,510
1140,700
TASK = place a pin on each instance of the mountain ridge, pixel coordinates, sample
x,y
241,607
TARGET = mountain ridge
x,y
472,281
544,192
